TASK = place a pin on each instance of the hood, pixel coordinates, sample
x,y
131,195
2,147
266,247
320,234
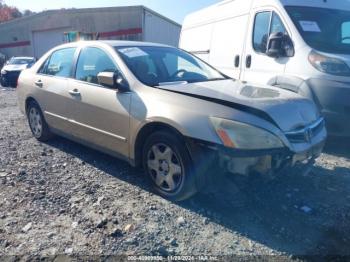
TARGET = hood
x,y
15,67
289,111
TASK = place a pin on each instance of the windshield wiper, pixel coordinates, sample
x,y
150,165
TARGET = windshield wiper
x,y
216,79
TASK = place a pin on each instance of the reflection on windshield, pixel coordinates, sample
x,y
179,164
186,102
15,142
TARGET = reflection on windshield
x,y
156,66
326,30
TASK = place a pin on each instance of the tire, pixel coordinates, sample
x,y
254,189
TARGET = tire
x,y
168,163
3,82
37,123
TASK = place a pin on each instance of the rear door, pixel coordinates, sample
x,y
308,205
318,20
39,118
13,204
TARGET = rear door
x,y
258,67
53,94
101,115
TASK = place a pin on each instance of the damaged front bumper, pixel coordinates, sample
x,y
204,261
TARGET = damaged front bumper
x,y
245,162
267,161
302,147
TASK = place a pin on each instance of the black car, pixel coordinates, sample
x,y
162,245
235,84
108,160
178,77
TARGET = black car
x,y
11,70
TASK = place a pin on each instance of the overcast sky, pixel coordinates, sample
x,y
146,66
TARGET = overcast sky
x,y
174,9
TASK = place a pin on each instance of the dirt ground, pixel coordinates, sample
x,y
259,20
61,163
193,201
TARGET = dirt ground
x,y
63,198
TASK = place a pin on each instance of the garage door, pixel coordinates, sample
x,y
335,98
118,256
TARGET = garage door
x,y
43,41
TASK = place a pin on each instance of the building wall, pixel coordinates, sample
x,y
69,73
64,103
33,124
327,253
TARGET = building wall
x,y
21,37
159,30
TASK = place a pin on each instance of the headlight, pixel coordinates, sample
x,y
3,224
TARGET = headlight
x,y
242,136
3,72
329,65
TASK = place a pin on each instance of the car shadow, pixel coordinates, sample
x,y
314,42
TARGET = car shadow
x,y
338,146
295,214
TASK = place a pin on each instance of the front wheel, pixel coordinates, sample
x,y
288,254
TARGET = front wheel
x,y
3,82
168,163
37,123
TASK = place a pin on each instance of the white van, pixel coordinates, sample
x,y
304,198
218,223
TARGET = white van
x,y
300,45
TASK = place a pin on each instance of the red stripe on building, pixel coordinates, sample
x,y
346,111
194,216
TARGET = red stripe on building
x,y
15,44
132,31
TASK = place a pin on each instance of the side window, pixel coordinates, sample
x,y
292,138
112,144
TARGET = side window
x,y
59,63
264,26
261,31
345,32
93,61
277,25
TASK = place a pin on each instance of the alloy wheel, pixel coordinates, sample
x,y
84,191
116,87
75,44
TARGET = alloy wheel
x,y
35,122
164,167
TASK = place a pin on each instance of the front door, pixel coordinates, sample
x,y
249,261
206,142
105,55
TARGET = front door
x,y
102,114
258,67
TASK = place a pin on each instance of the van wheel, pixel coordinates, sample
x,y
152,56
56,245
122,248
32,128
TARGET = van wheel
x,y
37,123
168,163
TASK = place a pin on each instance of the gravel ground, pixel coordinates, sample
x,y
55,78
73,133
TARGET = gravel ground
x,y
63,198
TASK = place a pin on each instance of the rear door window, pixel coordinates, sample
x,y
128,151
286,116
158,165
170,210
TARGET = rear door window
x,y
59,63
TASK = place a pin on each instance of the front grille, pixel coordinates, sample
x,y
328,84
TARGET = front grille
x,y
306,134
13,73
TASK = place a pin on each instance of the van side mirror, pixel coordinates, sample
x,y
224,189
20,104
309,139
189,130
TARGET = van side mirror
x,y
113,80
280,45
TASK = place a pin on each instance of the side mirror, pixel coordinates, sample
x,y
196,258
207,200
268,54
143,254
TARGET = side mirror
x,y
113,80
280,45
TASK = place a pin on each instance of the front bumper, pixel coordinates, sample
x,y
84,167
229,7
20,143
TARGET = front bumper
x,y
268,162
10,78
333,98
244,162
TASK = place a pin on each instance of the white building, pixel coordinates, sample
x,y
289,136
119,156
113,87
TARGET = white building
x,y
34,35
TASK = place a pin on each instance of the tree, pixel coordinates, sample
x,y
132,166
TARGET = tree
x,y
28,12
8,12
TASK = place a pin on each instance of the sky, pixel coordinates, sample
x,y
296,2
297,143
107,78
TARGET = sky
x,y
173,9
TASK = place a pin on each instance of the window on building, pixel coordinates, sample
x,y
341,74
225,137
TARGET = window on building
x,y
59,63
93,61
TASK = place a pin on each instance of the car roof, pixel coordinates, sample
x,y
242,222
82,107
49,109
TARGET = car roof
x,y
113,43
22,57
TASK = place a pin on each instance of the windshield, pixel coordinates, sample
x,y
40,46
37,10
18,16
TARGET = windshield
x,y
326,30
20,61
155,66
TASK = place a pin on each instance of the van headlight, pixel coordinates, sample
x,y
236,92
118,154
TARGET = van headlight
x,y
3,72
243,136
328,65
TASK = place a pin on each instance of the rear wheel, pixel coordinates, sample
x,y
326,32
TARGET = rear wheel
x,y
37,123
168,163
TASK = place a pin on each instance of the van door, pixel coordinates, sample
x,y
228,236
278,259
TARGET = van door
x,y
227,45
196,40
258,67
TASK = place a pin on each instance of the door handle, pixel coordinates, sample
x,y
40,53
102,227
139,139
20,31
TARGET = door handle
x,y
39,83
248,61
237,58
74,92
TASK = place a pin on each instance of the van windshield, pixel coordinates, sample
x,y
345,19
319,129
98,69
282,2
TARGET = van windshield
x,y
156,66
326,30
